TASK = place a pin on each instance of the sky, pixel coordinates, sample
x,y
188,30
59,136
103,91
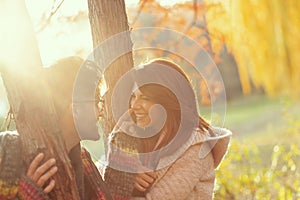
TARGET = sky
x,y
61,38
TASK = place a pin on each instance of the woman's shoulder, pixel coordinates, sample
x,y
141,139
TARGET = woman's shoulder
x,y
214,133
217,142
195,156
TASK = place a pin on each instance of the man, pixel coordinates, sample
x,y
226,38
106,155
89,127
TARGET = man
x,y
36,182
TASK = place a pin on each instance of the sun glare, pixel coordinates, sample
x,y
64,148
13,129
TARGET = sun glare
x,y
17,41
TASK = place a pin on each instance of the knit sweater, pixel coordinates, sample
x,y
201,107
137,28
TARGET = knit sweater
x,y
189,173
188,178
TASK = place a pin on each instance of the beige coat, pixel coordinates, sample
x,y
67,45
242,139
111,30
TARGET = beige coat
x,y
191,174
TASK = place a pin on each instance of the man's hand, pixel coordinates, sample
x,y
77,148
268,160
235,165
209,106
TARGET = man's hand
x,y
42,173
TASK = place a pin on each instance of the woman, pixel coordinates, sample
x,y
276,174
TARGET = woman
x,y
36,181
162,134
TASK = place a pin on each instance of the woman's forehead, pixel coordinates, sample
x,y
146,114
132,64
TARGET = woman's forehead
x,y
135,87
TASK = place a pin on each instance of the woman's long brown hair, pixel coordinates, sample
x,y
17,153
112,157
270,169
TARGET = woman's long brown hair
x,y
165,97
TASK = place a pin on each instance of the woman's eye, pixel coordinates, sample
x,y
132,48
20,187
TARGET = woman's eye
x,y
146,98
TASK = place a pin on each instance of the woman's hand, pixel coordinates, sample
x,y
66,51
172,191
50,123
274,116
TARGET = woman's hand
x,y
42,173
144,180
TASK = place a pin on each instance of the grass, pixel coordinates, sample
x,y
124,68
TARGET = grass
x,y
264,122
263,160
260,119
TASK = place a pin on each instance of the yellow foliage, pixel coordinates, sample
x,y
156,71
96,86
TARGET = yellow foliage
x,y
264,37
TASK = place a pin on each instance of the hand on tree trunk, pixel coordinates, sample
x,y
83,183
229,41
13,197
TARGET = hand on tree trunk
x,y
42,173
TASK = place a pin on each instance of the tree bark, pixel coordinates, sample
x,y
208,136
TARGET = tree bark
x,y
107,18
35,116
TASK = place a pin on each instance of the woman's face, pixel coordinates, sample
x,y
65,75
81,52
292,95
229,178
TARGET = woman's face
x,y
141,105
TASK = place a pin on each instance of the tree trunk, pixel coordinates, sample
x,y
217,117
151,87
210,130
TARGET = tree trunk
x,y
34,112
107,18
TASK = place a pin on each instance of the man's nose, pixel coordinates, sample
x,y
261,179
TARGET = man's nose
x,y
99,108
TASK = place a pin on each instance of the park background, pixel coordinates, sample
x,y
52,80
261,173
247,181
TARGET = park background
x,y
255,45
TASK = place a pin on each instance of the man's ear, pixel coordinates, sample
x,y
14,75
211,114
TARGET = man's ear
x,y
85,120
66,116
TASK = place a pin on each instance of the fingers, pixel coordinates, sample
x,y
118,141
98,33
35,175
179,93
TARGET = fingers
x,y
41,173
45,177
152,174
34,164
146,178
50,187
42,169
139,187
144,181
144,170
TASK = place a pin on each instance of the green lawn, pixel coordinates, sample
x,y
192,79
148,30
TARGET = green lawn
x,y
264,123
261,120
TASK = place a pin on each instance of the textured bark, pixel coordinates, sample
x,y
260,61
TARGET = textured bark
x,y
35,116
107,18
37,124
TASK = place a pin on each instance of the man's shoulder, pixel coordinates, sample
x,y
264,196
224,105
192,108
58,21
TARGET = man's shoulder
x,y
7,138
9,134
11,158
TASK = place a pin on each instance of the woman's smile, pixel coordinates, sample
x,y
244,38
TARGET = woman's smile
x,y
141,105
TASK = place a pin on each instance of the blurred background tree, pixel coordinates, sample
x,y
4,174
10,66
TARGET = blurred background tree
x,y
264,37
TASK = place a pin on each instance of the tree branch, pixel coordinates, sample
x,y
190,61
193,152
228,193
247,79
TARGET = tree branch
x,y
43,24
142,5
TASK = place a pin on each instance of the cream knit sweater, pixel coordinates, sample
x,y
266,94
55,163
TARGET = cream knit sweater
x,y
192,172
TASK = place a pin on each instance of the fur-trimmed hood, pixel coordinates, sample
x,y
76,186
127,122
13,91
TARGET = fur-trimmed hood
x,y
216,142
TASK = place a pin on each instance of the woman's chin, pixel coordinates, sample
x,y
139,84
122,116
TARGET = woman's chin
x,y
142,123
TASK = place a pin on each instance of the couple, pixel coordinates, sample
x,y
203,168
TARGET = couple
x,y
160,148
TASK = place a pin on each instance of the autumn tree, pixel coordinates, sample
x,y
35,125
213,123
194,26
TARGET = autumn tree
x,y
263,36
263,42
